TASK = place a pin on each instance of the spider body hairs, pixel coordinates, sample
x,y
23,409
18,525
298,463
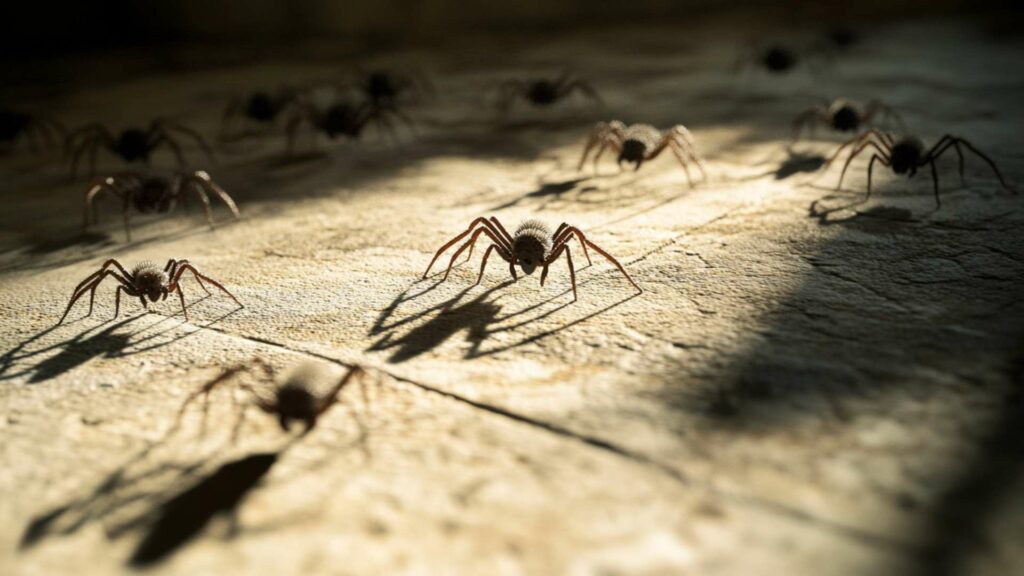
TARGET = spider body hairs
x,y
843,115
15,125
639,143
131,144
543,92
906,154
146,281
148,193
531,246
293,397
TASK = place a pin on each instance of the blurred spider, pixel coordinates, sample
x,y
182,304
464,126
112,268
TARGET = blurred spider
x,y
641,142
259,107
531,246
294,397
905,154
843,115
384,88
156,193
14,125
543,92
342,119
146,280
131,144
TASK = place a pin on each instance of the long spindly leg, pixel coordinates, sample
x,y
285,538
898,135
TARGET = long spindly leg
x,y
584,87
876,106
483,264
117,300
572,270
682,162
600,133
98,273
504,232
167,126
172,268
854,153
201,192
615,262
204,180
183,266
469,244
871,166
89,285
477,221
106,185
935,181
682,138
164,138
181,297
987,161
857,140
564,232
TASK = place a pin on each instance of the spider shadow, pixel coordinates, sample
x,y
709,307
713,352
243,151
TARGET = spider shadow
x,y
86,346
481,318
878,219
546,191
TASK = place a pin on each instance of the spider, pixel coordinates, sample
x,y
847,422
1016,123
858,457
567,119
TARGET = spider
x,y
342,119
294,396
384,88
146,280
156,193
843,115
531,246
15,124
259,107
641,142
543,91
131,144
906,154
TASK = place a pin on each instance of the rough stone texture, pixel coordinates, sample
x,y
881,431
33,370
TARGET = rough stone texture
x,y
807,385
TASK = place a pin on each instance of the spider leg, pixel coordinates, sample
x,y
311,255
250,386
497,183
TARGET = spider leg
x,y
483,264
469,244
163,138
89,285
585,87
479,220
871,165
613,261
106,185
201,192
174,269
184,266
600,133
987,161
883,138
202,178
682,162
563,234
854,154
572,270
875,106
504,232
935,181
90,140
166,127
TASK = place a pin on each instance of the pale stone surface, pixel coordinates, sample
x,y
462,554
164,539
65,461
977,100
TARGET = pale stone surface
x,y
793,393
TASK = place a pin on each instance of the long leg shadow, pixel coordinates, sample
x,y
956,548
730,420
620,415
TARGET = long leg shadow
x,y
85,346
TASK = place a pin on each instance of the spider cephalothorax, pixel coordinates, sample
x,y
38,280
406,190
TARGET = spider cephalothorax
x,y
639,143
544,92
292,398
145,281
529,248
778,59
14,125
530,245
904,155
259,107
156,193
843,115
132,144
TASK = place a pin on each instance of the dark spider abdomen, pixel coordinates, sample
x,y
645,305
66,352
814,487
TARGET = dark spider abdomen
x,y
380,87
261,107
778,59
341,119
153,195
530,244
132,145
906,155
846,118
632,151
12,124
295,402
542,92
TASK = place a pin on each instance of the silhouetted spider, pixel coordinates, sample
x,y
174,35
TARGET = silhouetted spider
x,y
342,119
146,280
131,145
530,247
904,155
293,396
543,91
259,107
641,142
384,88
156,193
843,115
16,124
